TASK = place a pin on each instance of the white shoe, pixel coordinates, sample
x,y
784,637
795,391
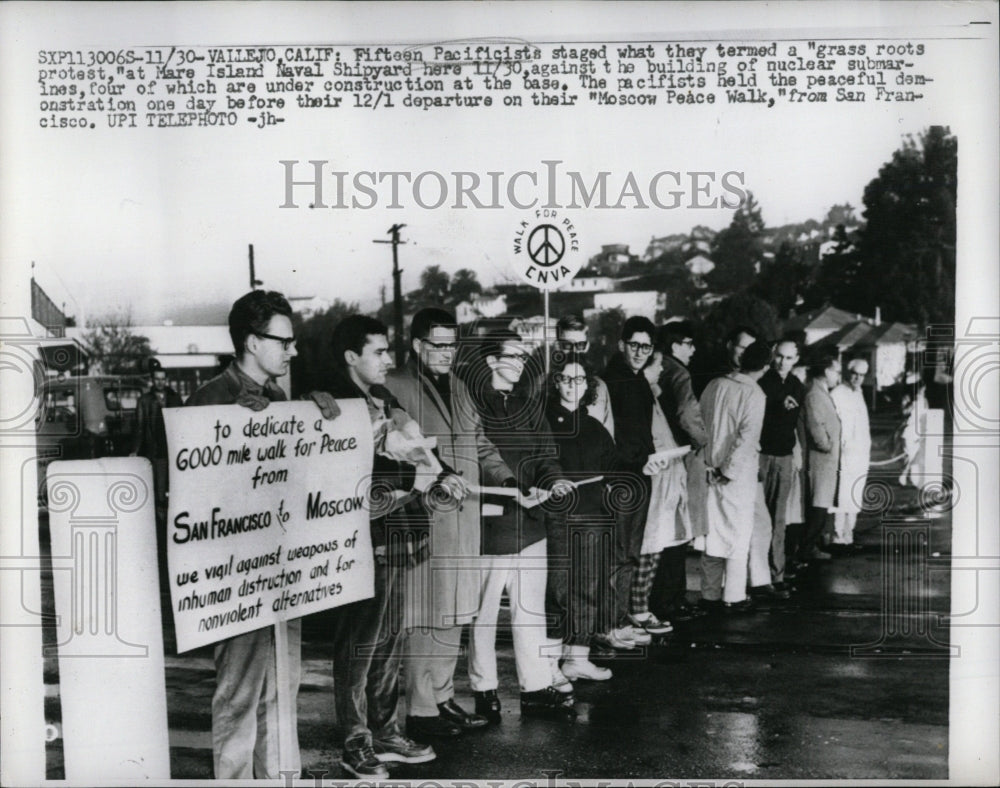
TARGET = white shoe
x,y
639,636
620,639
574,669
651,624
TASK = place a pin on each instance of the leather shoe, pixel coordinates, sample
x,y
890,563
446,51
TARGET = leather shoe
x,y
488,706
685,612
737,608
710,606
423,728
465,720
769,592
548,702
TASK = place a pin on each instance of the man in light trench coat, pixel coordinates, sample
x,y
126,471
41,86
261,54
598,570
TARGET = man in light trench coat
x,y
855,454
442,594
733,408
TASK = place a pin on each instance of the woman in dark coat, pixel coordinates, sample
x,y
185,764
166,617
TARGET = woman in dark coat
x,y
581,537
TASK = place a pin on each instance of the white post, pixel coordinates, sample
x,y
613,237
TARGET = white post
x,y
22,691
286,714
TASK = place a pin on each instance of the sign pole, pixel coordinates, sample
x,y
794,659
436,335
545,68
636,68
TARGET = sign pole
x,y
545,331
286,716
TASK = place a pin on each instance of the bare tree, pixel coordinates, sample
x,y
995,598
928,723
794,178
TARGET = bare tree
x,y
113,347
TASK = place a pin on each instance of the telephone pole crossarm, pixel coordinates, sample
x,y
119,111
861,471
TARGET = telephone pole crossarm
x,y
397,292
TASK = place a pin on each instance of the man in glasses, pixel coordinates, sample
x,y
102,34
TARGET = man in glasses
x,y
244,706
680,406
632,404
855,454
443,593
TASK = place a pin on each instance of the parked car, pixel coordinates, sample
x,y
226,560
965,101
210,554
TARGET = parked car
x,y
82,418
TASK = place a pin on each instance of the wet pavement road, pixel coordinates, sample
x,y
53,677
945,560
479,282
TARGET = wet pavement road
x,y
848,679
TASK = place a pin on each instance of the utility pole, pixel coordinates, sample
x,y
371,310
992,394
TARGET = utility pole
x,y
397,292
254,281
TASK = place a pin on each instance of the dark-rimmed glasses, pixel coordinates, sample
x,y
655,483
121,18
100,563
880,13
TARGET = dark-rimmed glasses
x,y
286,342
440,345
639,347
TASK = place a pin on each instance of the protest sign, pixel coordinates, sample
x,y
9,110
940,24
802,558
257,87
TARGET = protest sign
x,y
268,516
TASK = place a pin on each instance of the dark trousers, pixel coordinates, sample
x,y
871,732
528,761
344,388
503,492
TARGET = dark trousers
x,y
778,474
630,523
578,599
366,657
670,584
816,521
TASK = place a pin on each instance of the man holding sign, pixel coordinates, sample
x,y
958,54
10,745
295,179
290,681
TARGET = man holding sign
x,y
245,720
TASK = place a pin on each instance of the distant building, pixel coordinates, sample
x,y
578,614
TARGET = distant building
x,y
698,267
660,246
190,355
708,300
307,306
888,348
611,259
534,329
587,280
482,305
643,302
820,322
60,354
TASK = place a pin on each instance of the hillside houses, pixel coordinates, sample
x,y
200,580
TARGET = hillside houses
x,y
890,348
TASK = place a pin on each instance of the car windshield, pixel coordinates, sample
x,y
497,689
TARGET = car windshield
x,y
119,399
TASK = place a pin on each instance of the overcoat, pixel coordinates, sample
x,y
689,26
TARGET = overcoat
x,y
733,408
855,447
444,591
668,522
823,441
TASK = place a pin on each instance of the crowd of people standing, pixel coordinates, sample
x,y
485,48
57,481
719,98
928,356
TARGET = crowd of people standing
x,y
576,493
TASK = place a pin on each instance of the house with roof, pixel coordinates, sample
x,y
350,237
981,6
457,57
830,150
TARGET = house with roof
x,y
888,348
488,304
821,322
58,351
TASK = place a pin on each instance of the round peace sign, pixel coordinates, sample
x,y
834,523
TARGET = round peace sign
x,y
546,245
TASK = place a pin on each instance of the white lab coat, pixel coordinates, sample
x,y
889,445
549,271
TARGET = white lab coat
x,y
855,448
733,409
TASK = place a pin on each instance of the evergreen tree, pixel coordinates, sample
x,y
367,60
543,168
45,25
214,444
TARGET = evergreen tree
x,y
464,285
783,281
434,285
312,368
738,250
907,249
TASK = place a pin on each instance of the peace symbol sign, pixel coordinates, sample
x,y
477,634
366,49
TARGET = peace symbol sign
x,y
546,245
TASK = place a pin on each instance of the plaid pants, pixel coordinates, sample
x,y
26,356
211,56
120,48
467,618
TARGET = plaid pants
x,y
642,582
